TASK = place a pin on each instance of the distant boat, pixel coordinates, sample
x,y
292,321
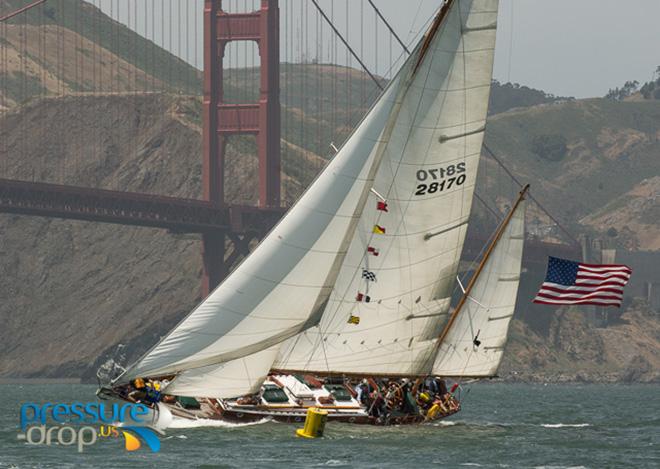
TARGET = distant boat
x,y
345,305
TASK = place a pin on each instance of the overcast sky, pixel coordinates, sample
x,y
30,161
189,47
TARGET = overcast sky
x,y
576,48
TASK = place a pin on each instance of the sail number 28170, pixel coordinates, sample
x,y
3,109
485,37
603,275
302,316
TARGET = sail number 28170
x,y
440,179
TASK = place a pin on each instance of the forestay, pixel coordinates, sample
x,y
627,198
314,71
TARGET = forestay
x,y
284,285
426,179
487,312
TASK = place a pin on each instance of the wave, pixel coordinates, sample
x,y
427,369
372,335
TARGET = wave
x,y
563,425
201,423
560,467
444,423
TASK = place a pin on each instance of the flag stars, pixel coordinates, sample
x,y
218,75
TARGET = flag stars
x,y
569,282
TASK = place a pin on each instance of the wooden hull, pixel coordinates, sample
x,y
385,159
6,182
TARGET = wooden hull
x,y
217,410
287,398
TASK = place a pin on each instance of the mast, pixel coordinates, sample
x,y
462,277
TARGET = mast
x,y
489,251
428,37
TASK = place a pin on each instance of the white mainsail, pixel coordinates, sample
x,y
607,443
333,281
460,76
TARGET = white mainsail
x,y
427,178
487,311
284,285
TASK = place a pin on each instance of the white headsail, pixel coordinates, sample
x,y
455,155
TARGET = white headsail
x,y
234,378
284,285
474,344
426,179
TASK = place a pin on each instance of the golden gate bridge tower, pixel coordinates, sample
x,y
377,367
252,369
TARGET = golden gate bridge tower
x,y
222,120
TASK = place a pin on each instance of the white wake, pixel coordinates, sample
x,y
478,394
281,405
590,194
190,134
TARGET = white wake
x,y
200,423
563,425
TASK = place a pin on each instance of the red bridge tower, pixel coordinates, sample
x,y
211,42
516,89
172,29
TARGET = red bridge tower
x,y
222,120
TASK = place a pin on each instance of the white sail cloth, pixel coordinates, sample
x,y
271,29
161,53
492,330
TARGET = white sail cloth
x,y
488,311
427,177
283,286
237,377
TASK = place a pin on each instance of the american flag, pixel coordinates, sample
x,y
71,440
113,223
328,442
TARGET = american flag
x,y
574,283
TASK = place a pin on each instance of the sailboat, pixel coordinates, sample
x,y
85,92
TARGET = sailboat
x,y
349,294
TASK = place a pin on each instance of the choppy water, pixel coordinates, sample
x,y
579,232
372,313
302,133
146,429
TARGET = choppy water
x,y
570,426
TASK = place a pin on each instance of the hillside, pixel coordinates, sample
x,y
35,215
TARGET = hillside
x,y
74,290
575,351
73,46
634,216
581,156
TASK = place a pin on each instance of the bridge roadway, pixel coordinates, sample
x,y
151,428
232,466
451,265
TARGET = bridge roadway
x,y
186,215
129,208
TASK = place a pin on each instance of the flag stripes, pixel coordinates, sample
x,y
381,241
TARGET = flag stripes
x,y
574,283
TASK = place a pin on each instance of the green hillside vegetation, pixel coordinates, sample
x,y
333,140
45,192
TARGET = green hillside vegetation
x,y
506,96
20,87
579,155
649,90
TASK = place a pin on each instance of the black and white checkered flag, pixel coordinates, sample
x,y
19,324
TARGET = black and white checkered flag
x,y
368,275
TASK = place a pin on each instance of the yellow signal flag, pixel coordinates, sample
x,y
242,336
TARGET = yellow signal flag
x,y
378,229
354,320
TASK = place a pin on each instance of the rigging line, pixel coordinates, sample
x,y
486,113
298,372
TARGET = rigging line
x,y
362,91
475,261
372,93
376,43
334,59
412,25
517,181
396,36
349,66
460,284
303,57
488,207
350,49
508,78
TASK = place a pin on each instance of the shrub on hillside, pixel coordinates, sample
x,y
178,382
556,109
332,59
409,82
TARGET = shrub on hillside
x,y
505,96
651,89
550,147
619,94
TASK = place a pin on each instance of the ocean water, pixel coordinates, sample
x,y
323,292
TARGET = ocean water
x,y
501,425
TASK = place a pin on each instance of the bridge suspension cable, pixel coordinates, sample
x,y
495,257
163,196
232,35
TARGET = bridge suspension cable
x,y
392,32
350,49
